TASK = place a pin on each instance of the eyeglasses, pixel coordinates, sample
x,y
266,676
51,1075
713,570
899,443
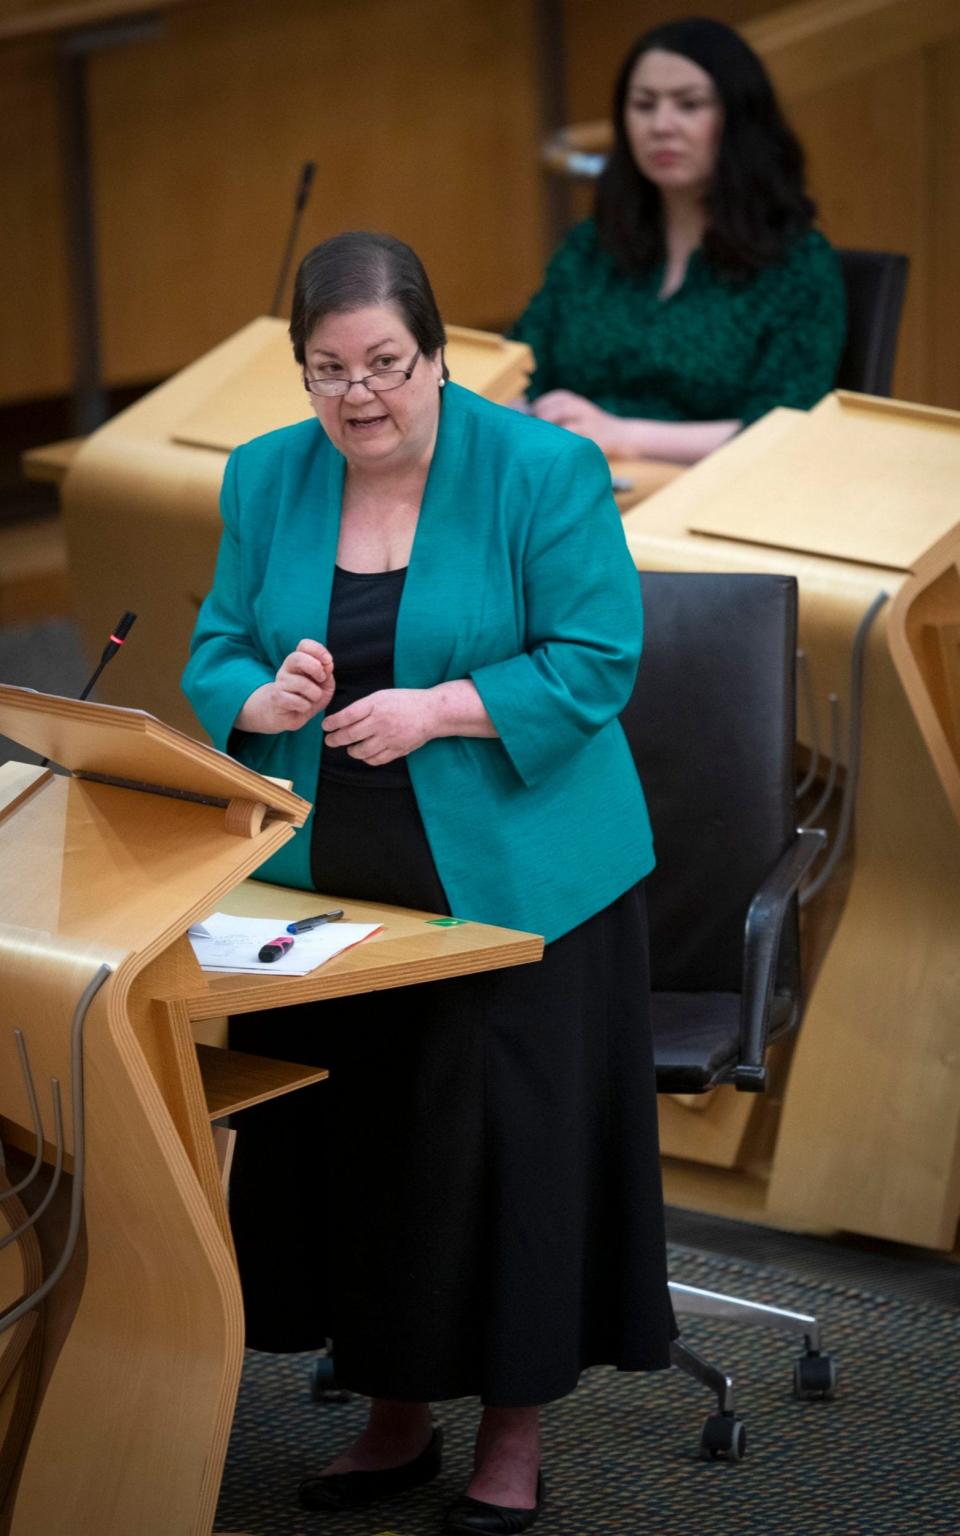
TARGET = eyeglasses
x,y
379,383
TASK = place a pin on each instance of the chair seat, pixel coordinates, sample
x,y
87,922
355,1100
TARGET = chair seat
x,y
696,1036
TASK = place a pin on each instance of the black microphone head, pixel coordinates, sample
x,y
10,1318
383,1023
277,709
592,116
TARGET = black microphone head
x,y
125,625
306,182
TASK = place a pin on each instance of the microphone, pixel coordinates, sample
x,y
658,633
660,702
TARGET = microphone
x,y
117,637
111,648
300,202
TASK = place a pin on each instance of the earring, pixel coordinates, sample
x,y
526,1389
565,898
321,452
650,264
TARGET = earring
x,y
442,382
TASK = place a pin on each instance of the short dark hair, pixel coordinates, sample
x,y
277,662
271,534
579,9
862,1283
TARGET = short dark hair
x,y
357,269
757,203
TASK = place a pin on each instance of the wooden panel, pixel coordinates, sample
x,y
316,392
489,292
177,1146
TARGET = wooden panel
x,y
925,644
422,119
941,646
877,1049
883,498
50,462
30,18
849,125
820,43
33,571
409,948
599,33
34,317
21,1271
233,1080
127,1456
88,737
943,245
219,114
155,507
710,1130
640,478
17,782
110,862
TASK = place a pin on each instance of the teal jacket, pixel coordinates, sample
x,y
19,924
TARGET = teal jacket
x,y
520,579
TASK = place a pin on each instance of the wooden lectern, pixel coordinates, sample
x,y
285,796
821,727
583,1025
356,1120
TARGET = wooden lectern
x,y
121,1322
857,499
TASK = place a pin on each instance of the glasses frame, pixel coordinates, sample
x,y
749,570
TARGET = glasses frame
x,y
343,386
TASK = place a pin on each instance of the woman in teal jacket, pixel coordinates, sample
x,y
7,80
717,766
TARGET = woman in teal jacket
x,y
425,614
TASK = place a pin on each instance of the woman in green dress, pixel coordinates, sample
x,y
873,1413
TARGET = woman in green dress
x,y
699,296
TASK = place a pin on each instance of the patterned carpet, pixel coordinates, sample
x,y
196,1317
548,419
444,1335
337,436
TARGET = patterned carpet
x,y
621,1455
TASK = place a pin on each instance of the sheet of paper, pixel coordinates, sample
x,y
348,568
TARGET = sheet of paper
x,y
225,943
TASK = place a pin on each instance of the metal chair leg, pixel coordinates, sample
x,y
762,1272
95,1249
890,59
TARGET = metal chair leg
x,y
814,1373
694,1302
723,1436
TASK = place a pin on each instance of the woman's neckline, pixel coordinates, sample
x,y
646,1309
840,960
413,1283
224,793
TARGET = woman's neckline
x,y
368,575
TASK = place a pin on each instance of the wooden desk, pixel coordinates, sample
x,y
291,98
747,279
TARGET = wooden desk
x,y
868,1134
98,884
51,461
646,476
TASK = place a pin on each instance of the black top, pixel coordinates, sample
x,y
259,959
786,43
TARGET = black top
x,y
360,635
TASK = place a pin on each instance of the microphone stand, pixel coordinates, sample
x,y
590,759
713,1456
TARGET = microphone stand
x,y
300,202
117,637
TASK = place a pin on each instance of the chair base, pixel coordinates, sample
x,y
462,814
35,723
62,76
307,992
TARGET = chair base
x,y
814,1374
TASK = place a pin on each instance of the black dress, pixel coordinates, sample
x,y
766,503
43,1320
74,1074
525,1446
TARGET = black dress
x,y
471,1205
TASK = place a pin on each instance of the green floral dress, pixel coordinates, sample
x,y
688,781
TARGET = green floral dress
x,y
716,350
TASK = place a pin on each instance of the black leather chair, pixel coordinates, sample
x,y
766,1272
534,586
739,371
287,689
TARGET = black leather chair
x,y
711,725
876,282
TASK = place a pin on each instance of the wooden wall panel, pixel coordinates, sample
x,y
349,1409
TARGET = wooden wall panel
x,y
34,321
942,167
422,118
849,127
599,33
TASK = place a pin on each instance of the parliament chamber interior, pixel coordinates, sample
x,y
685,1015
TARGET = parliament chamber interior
x,y
795,722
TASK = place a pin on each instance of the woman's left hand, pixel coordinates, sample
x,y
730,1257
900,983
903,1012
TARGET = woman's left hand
x,y
565,409
383,726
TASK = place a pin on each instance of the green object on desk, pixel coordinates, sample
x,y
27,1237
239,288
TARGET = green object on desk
x,y
446,922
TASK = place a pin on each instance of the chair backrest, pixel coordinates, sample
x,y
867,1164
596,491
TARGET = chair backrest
x,y
876,282
711,725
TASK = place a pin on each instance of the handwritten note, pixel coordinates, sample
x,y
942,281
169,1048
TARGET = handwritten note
x,y
225,943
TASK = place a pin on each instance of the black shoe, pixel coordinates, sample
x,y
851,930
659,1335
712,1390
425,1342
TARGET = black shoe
x,y
355,1490
493,1519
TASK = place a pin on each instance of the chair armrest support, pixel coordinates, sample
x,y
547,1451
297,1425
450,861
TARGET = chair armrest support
x,y
761,944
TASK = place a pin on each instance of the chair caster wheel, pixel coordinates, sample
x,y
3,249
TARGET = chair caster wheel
x,y
323,1382
814,1377
723,1438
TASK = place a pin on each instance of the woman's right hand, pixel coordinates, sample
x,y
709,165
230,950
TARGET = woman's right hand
x,y
303,687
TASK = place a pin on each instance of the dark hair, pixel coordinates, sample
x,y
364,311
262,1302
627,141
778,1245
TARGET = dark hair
x,y
357,269
756,204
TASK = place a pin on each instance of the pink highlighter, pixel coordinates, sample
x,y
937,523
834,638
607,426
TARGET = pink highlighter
x,y
276,947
